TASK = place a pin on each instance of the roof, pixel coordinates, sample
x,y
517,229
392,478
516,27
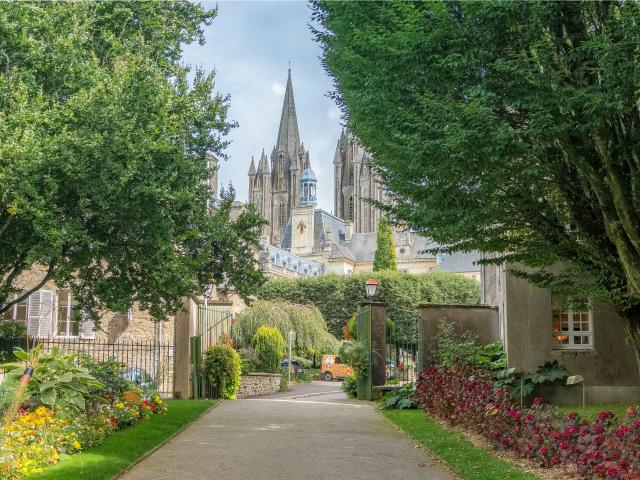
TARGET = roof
x,y
308,174
459,262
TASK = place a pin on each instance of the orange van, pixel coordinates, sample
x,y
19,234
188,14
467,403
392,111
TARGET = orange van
x,y
332,367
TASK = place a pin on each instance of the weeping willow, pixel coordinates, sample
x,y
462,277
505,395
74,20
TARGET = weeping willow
x,y
312,336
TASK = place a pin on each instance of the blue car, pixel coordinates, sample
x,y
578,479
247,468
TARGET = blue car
x,y
295,366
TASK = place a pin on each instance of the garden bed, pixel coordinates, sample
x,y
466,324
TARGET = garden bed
x,y
124,448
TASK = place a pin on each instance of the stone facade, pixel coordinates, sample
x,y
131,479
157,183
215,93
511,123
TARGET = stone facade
x,y
254,384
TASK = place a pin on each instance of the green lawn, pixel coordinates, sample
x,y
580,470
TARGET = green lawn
x,y
620,409
464,458
123,448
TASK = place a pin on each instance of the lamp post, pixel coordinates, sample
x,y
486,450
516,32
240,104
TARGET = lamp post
x,y
371,287
292,338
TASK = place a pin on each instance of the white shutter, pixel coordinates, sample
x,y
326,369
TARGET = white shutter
x,y
87,327
33,314
47,314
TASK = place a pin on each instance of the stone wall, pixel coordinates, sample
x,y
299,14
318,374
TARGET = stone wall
x,y
259,384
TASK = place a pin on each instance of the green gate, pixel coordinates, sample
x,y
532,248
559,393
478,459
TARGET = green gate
x,y
364,336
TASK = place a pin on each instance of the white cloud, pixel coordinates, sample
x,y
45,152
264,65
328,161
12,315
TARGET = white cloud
x,y
278,89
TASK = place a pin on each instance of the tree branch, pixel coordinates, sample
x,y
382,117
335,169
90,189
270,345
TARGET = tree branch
x,y
26,294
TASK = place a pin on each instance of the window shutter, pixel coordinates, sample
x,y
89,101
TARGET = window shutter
x,y
33,314
87,327
47,314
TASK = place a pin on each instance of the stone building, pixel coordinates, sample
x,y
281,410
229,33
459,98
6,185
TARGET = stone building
x,y
303,240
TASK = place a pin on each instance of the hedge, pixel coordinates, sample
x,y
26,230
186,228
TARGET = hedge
x,y
337,296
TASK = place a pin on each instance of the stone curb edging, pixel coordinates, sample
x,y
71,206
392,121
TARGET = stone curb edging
x,y
165,441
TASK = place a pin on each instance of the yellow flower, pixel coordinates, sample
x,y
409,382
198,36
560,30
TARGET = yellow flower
x,y
119,405
76,444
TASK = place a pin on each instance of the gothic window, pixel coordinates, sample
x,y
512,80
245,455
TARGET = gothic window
x,y
281,218
351,207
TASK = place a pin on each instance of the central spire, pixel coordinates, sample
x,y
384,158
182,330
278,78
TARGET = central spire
x,y
288,136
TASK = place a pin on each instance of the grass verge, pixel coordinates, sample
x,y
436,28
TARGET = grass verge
x,y
121,449
462,456
590,411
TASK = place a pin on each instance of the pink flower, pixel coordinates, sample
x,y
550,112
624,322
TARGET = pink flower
x,y
543,451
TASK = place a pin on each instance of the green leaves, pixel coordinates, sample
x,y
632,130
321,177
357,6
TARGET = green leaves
x,y
103,138
385,256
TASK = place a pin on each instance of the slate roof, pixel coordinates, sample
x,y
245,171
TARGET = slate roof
x,y
460,262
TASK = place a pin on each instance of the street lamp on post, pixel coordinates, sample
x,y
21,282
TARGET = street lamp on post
x,y
371,287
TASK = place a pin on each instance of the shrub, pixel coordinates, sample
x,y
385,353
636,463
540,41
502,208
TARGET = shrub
x,y
337,296
464,396
248,359
222,369
12,330
350,386
269,346
399,398
312,336
452,349
57,382
356,355
109,373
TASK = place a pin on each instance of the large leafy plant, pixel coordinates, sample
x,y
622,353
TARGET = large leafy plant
x,y
523,384
58,381
222,369
400,398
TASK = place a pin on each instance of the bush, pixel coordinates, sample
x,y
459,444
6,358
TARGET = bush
x,y
222,369
312,336
337,296
109,373
350,386
248,360
269,346
57,381
399,398
356,355
451,349
464,396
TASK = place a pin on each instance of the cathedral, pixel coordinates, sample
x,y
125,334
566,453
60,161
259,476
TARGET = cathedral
x,y
303,240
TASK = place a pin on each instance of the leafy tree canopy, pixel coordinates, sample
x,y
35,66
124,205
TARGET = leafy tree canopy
x,y
103,137
521,122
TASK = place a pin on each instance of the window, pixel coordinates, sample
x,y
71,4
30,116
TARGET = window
x,y
351,208
68,315
281,215
18,312
573,326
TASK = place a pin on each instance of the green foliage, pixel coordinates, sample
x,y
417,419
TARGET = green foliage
x,y
491,357
399,398
356,355
385,257
451,348
284,380
12,330
103,137
312,336
248,359
390,328
57,381
269,346
350,386
108,373
506,110
524,383
222,369
338,296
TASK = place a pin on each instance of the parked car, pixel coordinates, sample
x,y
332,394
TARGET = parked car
x,y
295,366
139,377
332,367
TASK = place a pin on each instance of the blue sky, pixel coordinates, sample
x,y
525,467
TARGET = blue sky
x,y
250,44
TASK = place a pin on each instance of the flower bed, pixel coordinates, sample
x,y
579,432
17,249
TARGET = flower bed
x,y
38,437
465,396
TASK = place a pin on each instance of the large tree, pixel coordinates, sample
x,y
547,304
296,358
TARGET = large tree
x,y
103,138
505,127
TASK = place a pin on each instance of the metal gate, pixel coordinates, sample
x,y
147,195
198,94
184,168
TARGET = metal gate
x,y
404,356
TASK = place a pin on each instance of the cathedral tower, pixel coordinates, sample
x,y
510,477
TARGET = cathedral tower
x,y
356,184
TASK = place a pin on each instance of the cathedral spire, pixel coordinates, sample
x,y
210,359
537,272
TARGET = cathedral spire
x,y
263,165
288,136
252,168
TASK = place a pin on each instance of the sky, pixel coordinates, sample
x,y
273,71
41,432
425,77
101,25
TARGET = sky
x,y
249,45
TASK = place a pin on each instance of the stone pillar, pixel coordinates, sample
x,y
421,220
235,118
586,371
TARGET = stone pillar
x,y
185,328
378,343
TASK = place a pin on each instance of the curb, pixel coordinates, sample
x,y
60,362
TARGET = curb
x,y
165,441
305,395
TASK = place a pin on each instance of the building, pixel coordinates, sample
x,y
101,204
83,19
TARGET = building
x,y
303,240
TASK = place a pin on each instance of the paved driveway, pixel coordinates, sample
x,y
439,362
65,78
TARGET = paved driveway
x,y
310,433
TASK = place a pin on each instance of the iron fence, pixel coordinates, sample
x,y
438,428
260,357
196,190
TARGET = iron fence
x,y
146,363
403,360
